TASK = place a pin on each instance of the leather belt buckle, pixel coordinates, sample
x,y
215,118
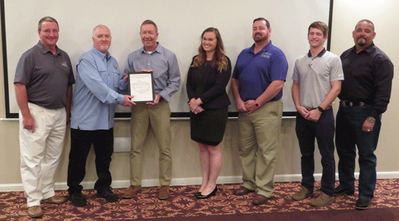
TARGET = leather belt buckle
x,y
346,103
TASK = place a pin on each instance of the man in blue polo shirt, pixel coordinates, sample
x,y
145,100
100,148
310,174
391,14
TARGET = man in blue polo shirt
x,y
257,84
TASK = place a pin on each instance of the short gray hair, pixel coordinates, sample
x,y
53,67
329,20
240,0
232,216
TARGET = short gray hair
x,y
99,26
47,18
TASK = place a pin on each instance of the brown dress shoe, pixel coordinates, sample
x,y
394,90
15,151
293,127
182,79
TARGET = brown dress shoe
x,y
259,199
322,200
132,192
35,211
302,194
54,200
242,191
164,192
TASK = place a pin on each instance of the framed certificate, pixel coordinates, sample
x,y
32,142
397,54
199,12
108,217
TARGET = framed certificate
x,y
141,86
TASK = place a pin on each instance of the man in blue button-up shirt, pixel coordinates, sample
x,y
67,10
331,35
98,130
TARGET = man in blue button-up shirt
x,y
163,63
93,107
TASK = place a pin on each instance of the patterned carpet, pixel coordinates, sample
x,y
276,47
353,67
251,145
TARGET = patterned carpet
x,y
183,204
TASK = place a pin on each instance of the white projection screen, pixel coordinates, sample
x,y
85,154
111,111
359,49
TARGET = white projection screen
x,y
180,24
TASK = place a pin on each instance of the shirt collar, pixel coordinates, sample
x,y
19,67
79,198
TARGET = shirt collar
x,y
319,55
369,49
264,49
44,50
100,54
157,49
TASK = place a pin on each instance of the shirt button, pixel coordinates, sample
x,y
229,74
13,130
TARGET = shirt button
x,y
148,63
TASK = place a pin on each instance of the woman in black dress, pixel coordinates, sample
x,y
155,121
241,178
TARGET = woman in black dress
x,y
207,78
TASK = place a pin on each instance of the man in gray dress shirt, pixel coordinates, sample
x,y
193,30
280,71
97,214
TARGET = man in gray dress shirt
x,y
163,63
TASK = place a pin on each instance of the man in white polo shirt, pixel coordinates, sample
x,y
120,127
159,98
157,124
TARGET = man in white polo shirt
x,y
317,82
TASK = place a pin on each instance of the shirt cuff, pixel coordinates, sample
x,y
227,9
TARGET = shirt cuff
x,y
166,97
120,99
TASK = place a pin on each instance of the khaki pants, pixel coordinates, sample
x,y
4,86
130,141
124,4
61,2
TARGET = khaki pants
x,y
41,151
259,134
159,117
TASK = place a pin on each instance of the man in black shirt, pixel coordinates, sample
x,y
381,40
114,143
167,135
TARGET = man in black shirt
x,y
364,96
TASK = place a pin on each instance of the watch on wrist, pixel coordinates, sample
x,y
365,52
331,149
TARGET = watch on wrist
x,y
257,105
320,109
371,119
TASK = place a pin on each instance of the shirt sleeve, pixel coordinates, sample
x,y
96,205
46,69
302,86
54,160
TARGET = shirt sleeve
x,y
295,73
122,86
278,67
383,84
173,82
236,71
71,79
336,71
221,81
24,69
90,76
189,83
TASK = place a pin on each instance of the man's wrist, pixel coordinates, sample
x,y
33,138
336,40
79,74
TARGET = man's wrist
x,y
257,104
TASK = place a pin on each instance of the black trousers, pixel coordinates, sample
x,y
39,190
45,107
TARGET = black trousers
x,y
81,141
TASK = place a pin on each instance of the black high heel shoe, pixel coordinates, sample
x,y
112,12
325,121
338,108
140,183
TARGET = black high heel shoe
x,y
200,196
197,194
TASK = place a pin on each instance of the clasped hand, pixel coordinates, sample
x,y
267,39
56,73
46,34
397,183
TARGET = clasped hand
x,y
312,115
195,106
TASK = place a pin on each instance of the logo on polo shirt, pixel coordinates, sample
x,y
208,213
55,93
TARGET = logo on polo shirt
x,y
64,64
266,55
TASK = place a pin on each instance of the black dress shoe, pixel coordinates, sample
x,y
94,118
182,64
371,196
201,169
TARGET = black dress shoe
x,y
362,204
342,191
108,195
200,196
77,199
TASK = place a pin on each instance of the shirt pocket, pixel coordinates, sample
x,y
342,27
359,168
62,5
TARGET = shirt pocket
x,y
116,76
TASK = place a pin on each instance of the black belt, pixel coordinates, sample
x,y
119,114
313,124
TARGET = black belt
x,y
346,103
313,108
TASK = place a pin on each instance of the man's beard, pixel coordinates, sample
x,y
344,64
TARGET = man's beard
x,y
361,41
260,38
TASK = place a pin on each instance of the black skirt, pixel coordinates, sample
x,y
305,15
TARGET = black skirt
x,y
208,126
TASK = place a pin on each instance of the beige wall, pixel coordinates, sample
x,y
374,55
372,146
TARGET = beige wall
x,y
185,152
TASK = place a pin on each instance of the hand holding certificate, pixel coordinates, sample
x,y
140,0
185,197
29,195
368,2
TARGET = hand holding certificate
x,y
141,86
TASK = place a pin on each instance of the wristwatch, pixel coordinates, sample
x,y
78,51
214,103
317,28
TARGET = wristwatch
x,y
257,105
371,119
320,109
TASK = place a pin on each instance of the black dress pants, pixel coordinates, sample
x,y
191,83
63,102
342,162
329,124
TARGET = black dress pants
x,y
81,141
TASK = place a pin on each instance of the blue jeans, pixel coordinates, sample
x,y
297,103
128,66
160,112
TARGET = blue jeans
x,y
322,130
349,134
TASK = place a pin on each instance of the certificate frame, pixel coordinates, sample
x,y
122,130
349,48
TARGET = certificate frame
x,y
141,86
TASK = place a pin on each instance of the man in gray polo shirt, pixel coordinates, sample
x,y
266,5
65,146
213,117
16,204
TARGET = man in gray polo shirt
x,y
43,88
317,82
